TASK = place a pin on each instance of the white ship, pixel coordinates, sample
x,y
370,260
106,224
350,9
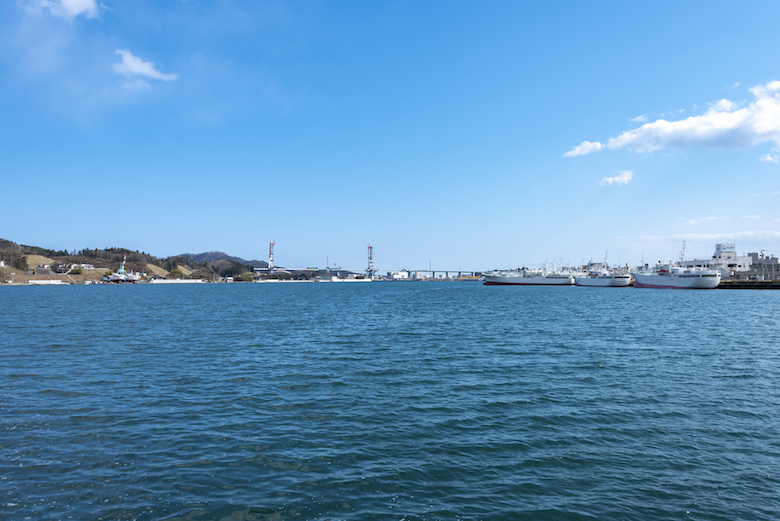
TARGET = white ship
x,y
671,276
123,275
600,276
675,276
339,279
178,281
525,277
604,279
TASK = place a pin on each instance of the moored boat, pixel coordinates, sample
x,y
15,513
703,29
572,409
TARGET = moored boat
x,y
339,279
599,275
528,278
122,275
604,279
668,276
675,276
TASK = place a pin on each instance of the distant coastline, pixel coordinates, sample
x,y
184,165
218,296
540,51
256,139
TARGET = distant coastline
x,y
20,263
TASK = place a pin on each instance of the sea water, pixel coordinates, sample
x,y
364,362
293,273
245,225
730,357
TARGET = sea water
x,y
388,401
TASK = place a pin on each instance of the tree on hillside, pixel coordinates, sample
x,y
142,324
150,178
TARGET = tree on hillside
x,y
20,263
234,269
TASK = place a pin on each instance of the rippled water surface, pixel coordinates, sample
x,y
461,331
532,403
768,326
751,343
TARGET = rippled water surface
x,y
388,401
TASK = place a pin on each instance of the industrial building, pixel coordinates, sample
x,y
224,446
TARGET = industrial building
x,y
725,260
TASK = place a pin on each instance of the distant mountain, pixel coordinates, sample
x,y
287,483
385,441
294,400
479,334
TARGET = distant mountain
x,y
213,256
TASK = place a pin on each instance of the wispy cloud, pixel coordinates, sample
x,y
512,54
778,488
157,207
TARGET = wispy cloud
x,y
585,148
758,234
134,68
724,125
703,219
768,158
621,179
715,218
68,9
640,119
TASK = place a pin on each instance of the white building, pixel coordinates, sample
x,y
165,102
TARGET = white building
x,y
725,260
80,266
398,275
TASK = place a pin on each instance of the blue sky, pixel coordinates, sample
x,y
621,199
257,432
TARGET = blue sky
x,y
458,134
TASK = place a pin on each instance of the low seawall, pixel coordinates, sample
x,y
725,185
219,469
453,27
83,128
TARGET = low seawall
x,y
749,284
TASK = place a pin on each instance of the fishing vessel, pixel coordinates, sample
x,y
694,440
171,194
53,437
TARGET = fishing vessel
x,y
672,276
339,279
604,279
526,277
122,275
675,276
599,275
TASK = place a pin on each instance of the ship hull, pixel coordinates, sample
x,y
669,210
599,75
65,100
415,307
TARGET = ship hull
x,y
338,280
685,281
519,280
603,282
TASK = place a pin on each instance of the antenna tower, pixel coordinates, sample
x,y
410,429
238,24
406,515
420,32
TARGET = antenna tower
x,y
370,270
270,255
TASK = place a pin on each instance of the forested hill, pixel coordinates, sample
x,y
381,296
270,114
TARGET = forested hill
x,y
213,256
24,257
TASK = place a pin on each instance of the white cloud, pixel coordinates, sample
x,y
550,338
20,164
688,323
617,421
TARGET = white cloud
x,y
585,148
68,9
768,158
724,125
639,119
724,105
132,67
751,217
763,90
622,179
703,219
